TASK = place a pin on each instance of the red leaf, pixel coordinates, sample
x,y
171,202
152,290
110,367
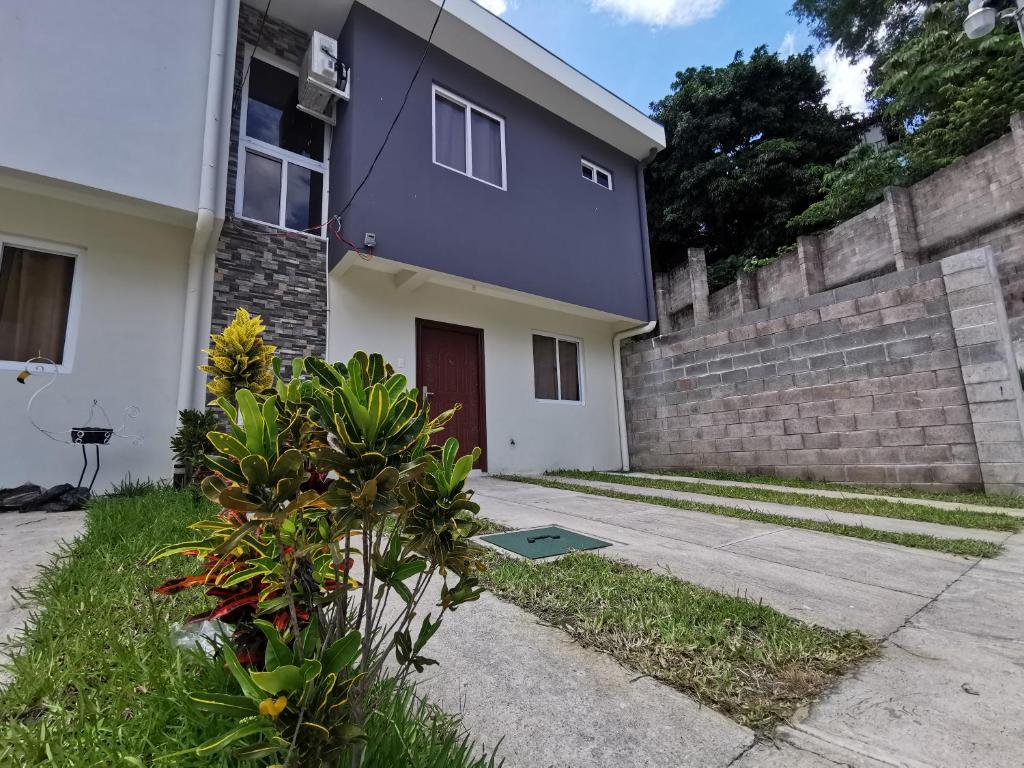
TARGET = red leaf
x,y
174,586
233,605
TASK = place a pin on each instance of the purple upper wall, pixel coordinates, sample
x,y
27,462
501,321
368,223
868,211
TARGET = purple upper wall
x,y
551,233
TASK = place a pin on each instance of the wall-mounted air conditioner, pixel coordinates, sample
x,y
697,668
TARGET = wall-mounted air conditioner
x,y
323,80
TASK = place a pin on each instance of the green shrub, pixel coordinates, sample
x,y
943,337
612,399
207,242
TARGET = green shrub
x,y
190,443
334,507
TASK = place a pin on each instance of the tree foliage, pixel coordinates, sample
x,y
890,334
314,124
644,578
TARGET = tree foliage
x,y
859,27
747,144
948,95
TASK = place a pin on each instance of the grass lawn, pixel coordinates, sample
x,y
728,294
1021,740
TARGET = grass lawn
x,y
99,682
744,659
962,518
956,497
964,547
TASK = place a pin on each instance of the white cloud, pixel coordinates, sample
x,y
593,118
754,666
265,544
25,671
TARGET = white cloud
x,y
660,13
788,46
497,7
847,80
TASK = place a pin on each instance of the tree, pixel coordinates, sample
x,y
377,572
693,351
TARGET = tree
x,y
948,95
746,143
859,27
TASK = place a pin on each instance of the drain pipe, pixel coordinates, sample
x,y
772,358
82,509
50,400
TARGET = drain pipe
x,y
212,181
620,397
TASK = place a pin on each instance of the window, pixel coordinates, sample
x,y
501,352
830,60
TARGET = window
x,y
36,304
282,162
556,368
596,174
468,139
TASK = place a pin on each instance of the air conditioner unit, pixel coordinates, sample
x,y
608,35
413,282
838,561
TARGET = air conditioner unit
x,y
323,79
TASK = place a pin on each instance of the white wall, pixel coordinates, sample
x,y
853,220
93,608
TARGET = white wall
x,y
368,313
106,93
128,345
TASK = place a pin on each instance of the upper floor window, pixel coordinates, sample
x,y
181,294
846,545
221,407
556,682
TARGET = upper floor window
x,y
596,174
282,161
556,368
36,307
468,139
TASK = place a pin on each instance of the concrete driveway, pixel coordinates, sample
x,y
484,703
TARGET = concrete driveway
x,y
944,693
28,541
833,581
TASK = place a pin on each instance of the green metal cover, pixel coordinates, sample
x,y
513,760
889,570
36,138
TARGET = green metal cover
x,y
538,543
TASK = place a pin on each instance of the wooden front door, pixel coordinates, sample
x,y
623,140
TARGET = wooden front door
x,y
450,366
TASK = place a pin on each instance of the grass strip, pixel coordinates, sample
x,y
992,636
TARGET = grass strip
x,y
99,681
962,518
742,658
954,497
964,547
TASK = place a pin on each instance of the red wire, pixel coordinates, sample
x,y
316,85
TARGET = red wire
x,y
336,231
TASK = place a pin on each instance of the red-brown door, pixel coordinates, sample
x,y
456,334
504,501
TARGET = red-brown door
x,y
450,365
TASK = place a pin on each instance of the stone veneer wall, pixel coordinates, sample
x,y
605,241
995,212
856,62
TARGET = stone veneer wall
x,y
906,378
976,202
279,276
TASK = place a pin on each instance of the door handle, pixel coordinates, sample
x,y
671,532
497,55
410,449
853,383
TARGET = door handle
x,y
426,393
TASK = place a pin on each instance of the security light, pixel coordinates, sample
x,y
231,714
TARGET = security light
x,y
982,16
981,19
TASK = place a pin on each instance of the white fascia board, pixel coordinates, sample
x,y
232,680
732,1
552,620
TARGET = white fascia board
x,y
491,45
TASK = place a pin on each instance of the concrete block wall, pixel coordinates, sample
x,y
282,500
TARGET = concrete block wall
x,y
976,202
993,384
869,382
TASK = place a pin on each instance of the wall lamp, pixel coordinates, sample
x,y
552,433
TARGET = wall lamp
x,y
982,16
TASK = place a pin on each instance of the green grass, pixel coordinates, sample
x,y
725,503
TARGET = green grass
x,y
962,518
100,683
955,497
964,547
742,658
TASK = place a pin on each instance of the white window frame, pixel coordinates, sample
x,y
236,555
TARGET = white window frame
x,y
580,366
74,305
594,169
469,107
286,158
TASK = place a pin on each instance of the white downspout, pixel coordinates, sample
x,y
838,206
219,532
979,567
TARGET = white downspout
x,y
620,397
212,182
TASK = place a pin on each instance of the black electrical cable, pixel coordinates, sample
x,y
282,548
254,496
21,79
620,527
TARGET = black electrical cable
x,y
405,99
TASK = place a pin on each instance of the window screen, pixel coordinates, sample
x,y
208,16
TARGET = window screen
x,y
545,369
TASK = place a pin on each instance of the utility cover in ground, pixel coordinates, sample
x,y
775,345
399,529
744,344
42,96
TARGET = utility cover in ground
x,y
538,543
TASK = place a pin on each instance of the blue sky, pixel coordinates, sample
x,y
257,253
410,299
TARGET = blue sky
x,y
635,47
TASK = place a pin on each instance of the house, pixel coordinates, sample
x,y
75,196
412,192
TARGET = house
x,y
156,172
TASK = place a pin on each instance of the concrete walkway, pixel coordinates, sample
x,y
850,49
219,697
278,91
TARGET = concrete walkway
x,y
551,702
833,581
28,541
877,522
945,693
836,494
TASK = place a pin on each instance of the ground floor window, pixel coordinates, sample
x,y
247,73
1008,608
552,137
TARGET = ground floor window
x,y
556,368
35,303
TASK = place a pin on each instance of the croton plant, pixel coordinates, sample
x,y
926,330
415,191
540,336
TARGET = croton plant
x,y
337,514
